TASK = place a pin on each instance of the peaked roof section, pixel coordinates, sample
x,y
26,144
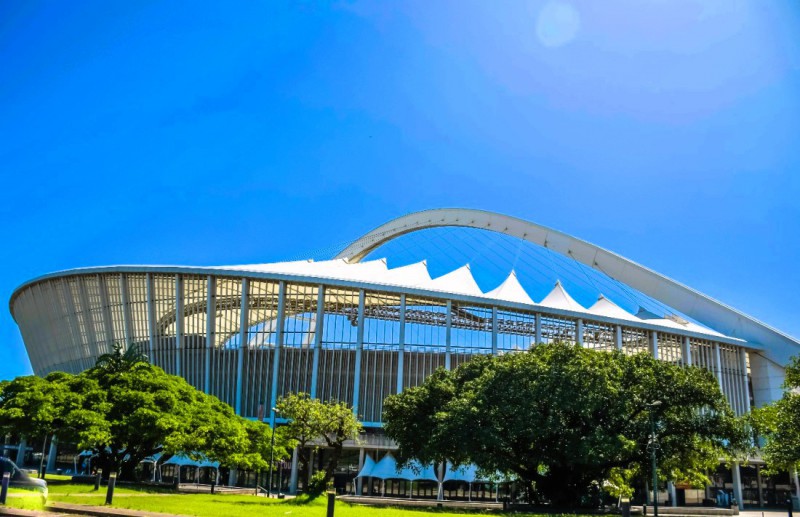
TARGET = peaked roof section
x,y
412,275
560,299
459,281
605,307
511,290
366,470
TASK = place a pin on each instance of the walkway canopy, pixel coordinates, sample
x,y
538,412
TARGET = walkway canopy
x,y
387,468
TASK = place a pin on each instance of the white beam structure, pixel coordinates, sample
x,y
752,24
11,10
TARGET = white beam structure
x,y
779,347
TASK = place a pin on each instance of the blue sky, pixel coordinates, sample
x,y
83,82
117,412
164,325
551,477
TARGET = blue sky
x,y
221,133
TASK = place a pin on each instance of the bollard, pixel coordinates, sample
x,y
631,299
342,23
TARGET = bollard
x,y
4,489
97,481
213,485
331,503
112,480
625,506
789,506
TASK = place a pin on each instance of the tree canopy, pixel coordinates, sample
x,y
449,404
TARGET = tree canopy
x,y
561,418
778,424
312,423
125,409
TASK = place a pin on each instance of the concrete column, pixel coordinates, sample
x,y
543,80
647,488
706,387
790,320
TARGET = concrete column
x,y
760,486
23,445
737,485
276,351
178,322
318,330
293,475
243,324
494,330
440,491
537,322
687,351
401,341
448,334
360,466
718,366
211,316
151,316
654,344
673,496
126,315
51,456
796,484
232,475
745,381
618,337
579,332
359,349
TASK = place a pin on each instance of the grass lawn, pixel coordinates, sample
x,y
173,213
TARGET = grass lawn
x,y
160,500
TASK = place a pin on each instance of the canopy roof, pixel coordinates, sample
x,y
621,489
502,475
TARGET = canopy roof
x,y
461,282
181,460
387,468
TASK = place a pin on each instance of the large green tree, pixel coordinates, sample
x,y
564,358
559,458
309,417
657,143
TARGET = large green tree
x,y
778,424
125,409
313,423
561,418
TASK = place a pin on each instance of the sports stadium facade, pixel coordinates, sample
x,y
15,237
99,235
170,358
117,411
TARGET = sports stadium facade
x,y
357,331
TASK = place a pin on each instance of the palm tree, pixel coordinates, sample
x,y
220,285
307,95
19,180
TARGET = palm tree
x,y
118,361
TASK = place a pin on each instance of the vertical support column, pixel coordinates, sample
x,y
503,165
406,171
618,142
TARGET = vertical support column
x,y
243,324
654,344
618,337
293,475
211,317
360,466
745,383
23,445
494,330
796,484
126,313
51,456
737,485
579,332
673,501
178,322
151,316
760,486
448,335
359,349
318,330
276,351
537,332
108,320
718,366
401,341
687,351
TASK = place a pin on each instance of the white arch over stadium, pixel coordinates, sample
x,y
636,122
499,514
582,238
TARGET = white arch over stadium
x,y
778,347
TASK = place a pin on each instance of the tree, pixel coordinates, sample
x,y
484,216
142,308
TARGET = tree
x,y
34,407
126,411
562,418
313,423
118,361
778,424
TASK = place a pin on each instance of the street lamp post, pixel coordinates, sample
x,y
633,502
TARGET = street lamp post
x,y
653,447
271,452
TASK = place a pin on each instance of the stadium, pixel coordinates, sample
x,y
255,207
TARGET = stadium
x,y
374,319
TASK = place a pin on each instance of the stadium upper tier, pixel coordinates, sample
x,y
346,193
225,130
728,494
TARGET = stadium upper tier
x,y
461,282
357,331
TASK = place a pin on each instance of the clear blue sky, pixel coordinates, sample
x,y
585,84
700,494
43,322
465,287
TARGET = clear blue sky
x,y
239,132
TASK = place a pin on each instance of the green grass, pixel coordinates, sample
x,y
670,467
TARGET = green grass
x,y
154,499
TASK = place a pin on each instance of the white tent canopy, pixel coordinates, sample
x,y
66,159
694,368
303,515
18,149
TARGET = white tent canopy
x,y
460,281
